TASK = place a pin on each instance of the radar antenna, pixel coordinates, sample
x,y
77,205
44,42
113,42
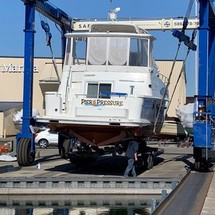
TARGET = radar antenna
x,y
113,14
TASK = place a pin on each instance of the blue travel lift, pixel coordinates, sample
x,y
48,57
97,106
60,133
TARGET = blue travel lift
x,y
204,115
25,139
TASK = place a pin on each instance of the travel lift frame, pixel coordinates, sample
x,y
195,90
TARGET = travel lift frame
x,y
204,115
25,139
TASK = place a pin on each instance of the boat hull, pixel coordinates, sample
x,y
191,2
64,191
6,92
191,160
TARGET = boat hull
x,y
101,135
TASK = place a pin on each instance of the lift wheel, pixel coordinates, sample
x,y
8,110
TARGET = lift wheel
x,y
24,155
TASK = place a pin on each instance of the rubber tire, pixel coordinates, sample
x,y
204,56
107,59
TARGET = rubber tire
x,y
198,166
150,162
43,143
24,155
197,152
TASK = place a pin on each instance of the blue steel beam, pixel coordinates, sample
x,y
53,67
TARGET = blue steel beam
x,y
203,48
211,50
206,49
55,14
203,127
28,74
64,21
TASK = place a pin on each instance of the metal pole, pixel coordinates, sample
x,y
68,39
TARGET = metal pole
x,y
196,54
28,73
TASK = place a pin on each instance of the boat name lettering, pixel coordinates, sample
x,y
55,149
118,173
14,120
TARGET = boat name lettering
x,y
10,68
100,102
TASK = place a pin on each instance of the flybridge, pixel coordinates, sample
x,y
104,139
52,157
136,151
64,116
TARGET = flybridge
x,y
153,24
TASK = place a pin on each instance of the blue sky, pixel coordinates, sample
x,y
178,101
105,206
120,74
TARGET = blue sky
x,y
13,21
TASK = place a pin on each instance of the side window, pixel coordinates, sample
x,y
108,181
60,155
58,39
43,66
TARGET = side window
x,y
68,52
150,54
99,90
97,54
138,52
92,90
105,91
118,51
80,49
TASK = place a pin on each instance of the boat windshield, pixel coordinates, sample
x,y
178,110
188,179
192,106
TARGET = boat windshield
x,y
116,51
138,52
111,51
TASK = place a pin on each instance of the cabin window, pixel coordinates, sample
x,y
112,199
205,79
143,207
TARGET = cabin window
x,y
68,51
112,50
97,51
92,90
151,60
99,90
118,49
79,51
138,52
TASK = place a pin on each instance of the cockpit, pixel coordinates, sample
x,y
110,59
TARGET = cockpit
x,y
113,49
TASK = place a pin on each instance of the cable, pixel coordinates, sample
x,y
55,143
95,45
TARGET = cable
x,y
166,89
46,28
189,8
182,68
189,43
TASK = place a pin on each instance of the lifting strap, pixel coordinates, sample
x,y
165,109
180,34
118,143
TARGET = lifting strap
x,y
166,90
182,69
46,28
189,43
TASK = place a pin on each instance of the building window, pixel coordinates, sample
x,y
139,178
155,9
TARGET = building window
x,y
99,90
